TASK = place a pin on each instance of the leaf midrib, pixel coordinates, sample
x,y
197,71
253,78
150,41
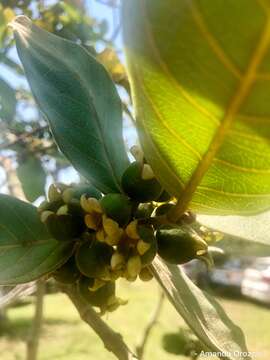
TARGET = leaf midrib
x,y
243,89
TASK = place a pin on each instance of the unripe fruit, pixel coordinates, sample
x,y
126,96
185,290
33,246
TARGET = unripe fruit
x,y
67,273
136,187
178,245
93,260
164,196
64,227
50,206
98,298
134,265
117,207
163,209
144,211
145,274
76,192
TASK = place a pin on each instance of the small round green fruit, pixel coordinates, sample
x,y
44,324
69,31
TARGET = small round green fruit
x,y
65,227
99,297
93,259
117,207
164,196
178,245
144,210
138,188
67,273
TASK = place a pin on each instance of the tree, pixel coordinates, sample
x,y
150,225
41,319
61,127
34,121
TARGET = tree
x,y
197,116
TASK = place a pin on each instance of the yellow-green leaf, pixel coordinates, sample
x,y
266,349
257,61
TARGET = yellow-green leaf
x,y
200,75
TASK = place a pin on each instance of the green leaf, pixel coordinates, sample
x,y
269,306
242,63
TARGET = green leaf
x,y
200,75
27,251
32,177
7,101
77,96
202,313
252,228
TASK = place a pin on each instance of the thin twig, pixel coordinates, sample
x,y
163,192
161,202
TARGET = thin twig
x,y
112,340
23,137
152,322
33,341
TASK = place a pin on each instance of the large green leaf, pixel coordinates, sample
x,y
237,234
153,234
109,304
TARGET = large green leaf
x,y
201,312
77,96
27,251
32,177
200,75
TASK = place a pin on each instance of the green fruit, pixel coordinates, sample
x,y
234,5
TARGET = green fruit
x,y
178,245
147,235
50,206
76,192
99,297
144,211
164,196
138,188
117,207
65,227
67,273
93,259
163,209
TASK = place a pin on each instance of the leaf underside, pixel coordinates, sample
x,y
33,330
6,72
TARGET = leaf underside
x,y
200,75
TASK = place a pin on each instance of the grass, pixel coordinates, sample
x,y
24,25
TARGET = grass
x,y
65,337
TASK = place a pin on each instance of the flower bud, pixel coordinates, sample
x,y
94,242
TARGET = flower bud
x,y
91,222
54,194
131,230
143,247
90,205
98,283
118,261
137,153
110,226
63,210
100,235
134,266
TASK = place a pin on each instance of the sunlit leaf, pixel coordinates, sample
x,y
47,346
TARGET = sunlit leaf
x,y
200,73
